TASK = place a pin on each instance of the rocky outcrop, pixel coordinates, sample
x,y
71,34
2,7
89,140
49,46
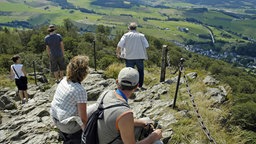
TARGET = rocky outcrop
x,y
31,123
209,80
219,93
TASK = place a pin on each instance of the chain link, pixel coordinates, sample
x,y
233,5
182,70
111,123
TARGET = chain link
x,y
199,117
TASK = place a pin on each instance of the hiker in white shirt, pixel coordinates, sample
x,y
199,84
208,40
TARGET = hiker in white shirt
x,y
132,47
17,71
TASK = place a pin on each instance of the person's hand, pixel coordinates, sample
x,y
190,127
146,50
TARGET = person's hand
x,y
149,126
156,134
118,56
83,127
12,77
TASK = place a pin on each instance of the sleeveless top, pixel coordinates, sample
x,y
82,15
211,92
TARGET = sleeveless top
x,y
107,128
18,69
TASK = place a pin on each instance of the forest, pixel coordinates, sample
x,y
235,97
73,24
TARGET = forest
x,y
29,43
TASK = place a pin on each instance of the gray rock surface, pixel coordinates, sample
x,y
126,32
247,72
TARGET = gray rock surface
x,y
31,123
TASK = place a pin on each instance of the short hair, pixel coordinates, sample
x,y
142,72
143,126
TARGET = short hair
x,y
123,87
15,58
132,26
51,28
78,68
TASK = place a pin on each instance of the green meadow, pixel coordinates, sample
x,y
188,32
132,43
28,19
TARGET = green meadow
x,y
152,21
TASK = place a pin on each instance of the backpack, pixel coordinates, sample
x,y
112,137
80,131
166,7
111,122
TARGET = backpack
x,y
90,133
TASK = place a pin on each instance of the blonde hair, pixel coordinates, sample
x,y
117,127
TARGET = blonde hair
x,y
78,68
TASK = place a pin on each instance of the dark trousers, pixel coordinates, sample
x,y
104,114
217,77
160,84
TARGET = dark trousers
x,y
74,138
139,63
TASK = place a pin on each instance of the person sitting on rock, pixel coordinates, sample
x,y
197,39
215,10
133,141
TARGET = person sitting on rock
x,y
118,124
68,108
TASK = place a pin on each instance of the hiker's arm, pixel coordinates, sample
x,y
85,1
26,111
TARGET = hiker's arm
x,y
154,136
48,50
118,51
145,42
23,70
140,123
62,47
126,128
82,113
121,44
11,73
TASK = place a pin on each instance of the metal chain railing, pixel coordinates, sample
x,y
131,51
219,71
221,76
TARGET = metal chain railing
x,y
195,107
199,117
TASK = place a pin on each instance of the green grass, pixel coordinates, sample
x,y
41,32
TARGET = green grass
x,y
187,128
81,3
6,82
113,70
244,26
158,29
230,23
33,11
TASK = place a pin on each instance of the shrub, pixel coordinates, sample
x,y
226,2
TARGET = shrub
x,y
244,115
104,62
113,70
5,63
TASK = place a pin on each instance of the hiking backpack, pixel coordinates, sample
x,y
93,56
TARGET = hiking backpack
x,y
90,133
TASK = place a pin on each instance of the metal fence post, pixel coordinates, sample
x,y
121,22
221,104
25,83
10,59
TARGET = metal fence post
x,y
178,82
163,67
34,66
94,52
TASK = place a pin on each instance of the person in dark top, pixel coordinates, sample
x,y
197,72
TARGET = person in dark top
x,y
55,51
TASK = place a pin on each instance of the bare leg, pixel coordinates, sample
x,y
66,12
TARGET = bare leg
x,y
21,95
61,75
26,94
56,75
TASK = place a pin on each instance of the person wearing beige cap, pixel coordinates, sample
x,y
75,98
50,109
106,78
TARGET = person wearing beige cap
x,y
118,124
55,51
132,47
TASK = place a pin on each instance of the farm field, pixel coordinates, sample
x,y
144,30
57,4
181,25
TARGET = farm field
x,y
163,22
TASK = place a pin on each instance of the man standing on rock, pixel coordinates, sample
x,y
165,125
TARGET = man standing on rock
x,y
132,47
55,51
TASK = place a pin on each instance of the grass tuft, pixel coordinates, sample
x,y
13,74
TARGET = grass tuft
x,y
113,70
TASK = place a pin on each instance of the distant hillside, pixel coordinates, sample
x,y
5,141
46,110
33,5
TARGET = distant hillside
x,y
213,3
224,3
220,29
